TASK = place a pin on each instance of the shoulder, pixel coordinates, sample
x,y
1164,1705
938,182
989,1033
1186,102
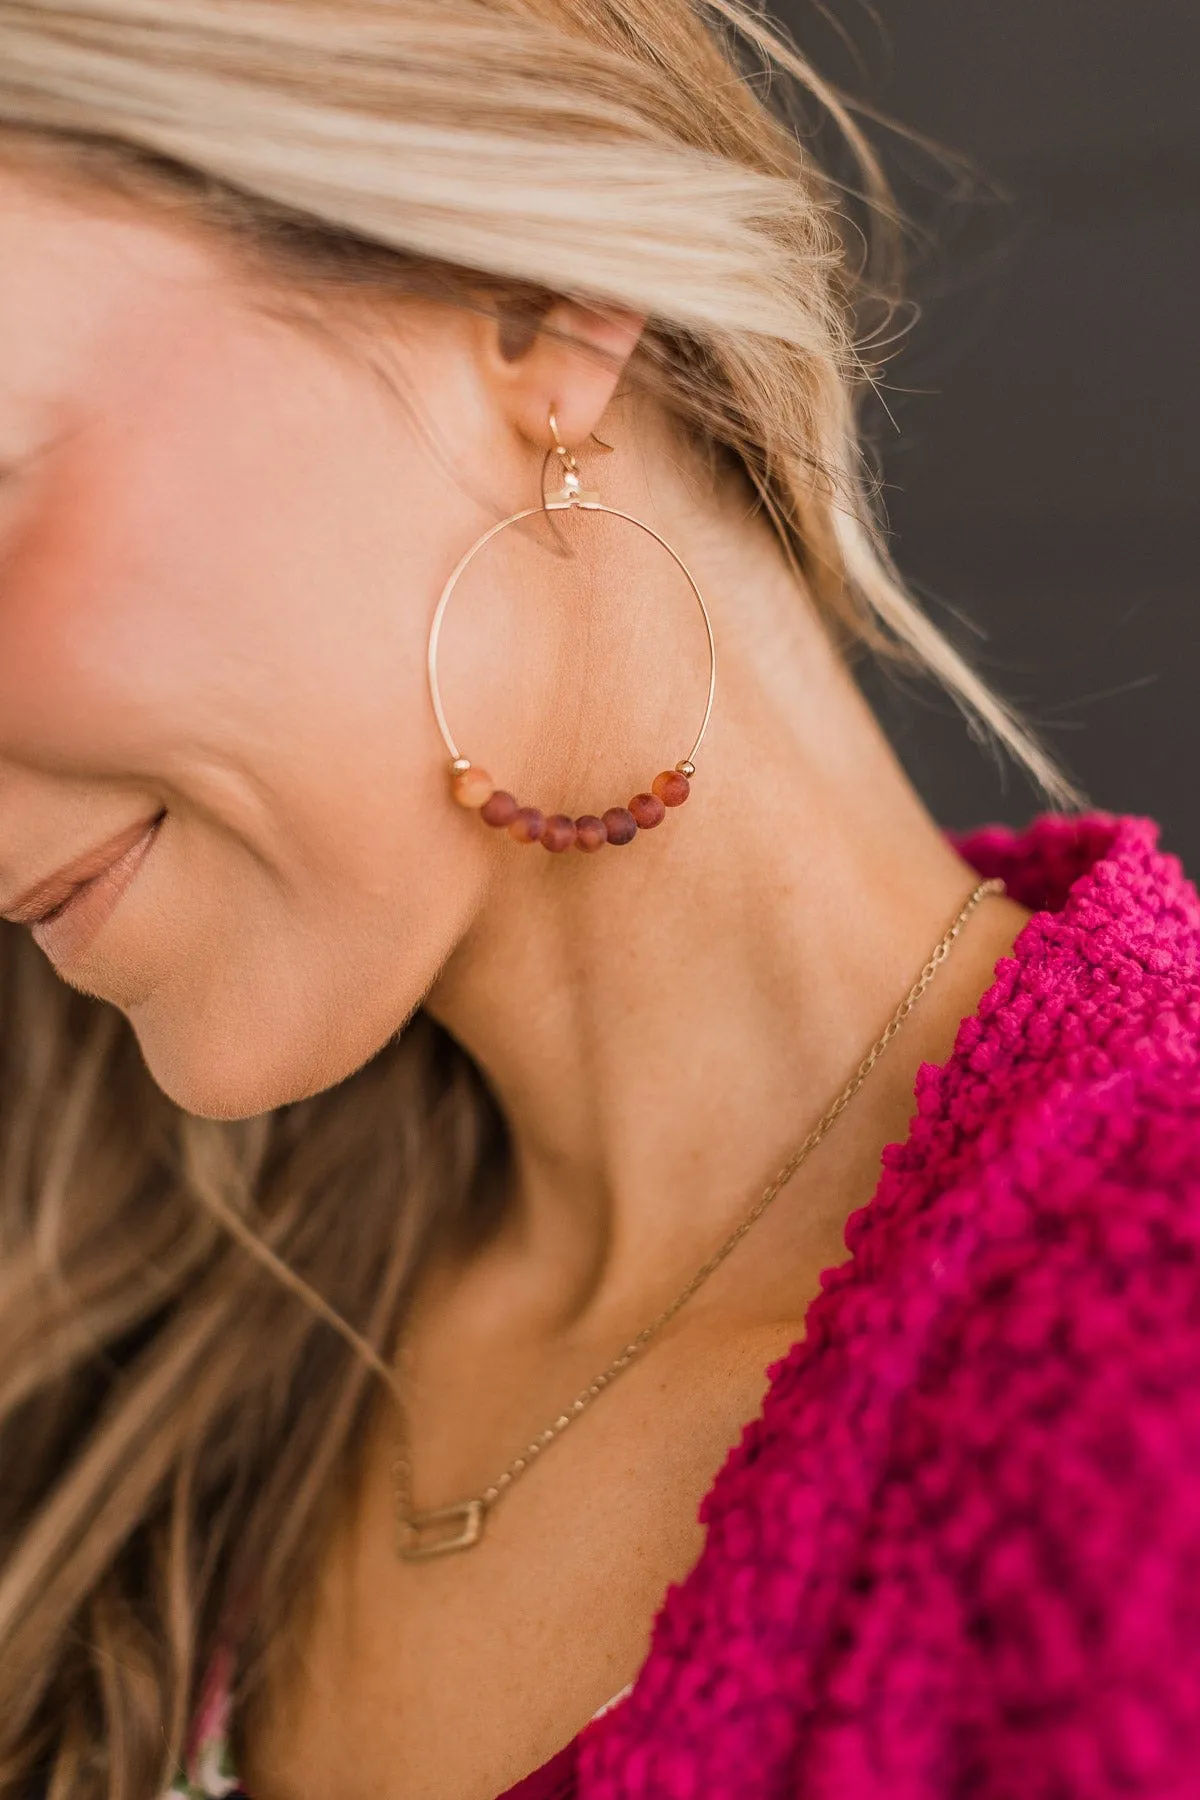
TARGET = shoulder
x,y
1020,1610
1050,1186
1063,1373
1033,1546
1081,1301
1042,1489
1082,1074
1070,1109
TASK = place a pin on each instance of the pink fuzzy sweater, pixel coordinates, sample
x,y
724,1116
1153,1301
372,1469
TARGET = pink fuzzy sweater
x,y
957,1557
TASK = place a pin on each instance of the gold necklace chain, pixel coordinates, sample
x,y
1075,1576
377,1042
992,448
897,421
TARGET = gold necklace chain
x,y
456,1527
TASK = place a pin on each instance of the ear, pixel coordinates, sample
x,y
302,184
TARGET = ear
x,y
570,360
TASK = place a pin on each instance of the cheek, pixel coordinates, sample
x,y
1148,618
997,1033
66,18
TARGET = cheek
x,y
156,596
212,603
211,588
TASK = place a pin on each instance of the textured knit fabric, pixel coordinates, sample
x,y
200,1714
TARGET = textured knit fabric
x,y
957,1557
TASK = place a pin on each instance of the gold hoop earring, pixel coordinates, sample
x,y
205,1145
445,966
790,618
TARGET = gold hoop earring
x,y
473,787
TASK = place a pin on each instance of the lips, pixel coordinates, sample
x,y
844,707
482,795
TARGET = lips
x,y
66,911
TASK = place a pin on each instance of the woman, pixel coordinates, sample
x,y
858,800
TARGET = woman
x,y
399,1219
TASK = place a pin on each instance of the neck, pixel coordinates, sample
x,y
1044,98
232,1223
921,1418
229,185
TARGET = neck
x,y
662,1024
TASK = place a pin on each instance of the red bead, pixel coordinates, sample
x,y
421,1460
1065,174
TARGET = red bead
x,y
671,787
500,809
527,825
591,833
471,787
558,833
620,825
648,811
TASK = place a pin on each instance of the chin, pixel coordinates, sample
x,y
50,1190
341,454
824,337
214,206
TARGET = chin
x,y
243,1073
231,1030
208,1092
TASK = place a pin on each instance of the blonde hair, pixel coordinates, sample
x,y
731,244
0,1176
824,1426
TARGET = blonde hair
x,y
189,1331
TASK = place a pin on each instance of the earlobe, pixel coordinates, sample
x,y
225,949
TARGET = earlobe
x,y
572,358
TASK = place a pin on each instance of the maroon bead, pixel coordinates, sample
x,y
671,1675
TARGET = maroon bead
x,y
591,833
500,809
648,811
527,825
620,825
671,787
558,833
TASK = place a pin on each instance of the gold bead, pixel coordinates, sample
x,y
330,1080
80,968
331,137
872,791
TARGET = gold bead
x,y
472,787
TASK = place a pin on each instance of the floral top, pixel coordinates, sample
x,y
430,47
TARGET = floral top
x,y
208,1773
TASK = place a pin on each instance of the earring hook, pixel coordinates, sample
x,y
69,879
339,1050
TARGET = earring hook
x,y
560,449
572,489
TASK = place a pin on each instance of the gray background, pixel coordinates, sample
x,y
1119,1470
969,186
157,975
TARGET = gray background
x,y
1041,483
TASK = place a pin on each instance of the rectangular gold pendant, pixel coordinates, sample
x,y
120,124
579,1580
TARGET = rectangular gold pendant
x,y
434,1534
